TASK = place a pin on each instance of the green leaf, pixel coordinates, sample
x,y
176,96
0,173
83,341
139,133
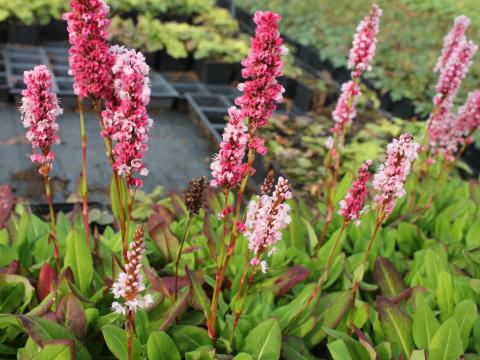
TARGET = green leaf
x,y
447,342
27,294
117,341
286,313
312,236
396,325
329,311
10,297
243,356
444,294
79,259
188,337
418,355
354,348
466,313
339,351
387,277
424,323
263,342
57,350
161,347
294,348
114,194
199,297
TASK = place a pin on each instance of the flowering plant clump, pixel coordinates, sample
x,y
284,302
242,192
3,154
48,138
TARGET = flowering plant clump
x,y
125,117
40,110
186,276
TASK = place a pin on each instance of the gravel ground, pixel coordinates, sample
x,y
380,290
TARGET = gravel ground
x,y
178,152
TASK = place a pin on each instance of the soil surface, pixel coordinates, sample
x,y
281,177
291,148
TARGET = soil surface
x,y
178,152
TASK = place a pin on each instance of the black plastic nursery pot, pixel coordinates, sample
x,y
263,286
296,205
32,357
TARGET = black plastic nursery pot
x,y
168,63
289,84
303,99
403,109
244,17
18,33
55,30
151,58
212,72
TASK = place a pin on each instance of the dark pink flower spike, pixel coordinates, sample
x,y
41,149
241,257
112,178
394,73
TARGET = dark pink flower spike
x,y
364,43
90,60
40,110
353,205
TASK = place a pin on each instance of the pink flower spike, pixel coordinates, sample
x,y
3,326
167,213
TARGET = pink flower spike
x,y
345,110
227,166
129,284
353,205
441,120
391,176
468,119
454,38
39,111
90,60
266,218
125,116
364,43
262,67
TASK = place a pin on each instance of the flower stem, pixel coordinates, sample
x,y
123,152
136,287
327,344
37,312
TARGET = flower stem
x,y
244,298
53,234
179,255
116,178
84,185
220,275
380,218
130,331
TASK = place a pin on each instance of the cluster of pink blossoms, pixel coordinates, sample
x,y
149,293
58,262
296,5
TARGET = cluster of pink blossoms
x,y
265,220
129,284
227,166
391,176
345,110
90,60
353,205
468,117
453,65
40,110
125,116
364,43
451,42
361,55
260,92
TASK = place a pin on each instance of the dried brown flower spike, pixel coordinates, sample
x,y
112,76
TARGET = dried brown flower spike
x,y
267,185
194,197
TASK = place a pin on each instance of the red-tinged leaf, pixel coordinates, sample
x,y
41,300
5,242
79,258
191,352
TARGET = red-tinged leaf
x,y
164,212
50,315
12,269
70,313
396,324
367,344
162,237
388,278
165,285
284,283
175,310
406,294
6,203
57,349
179,210
46,281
